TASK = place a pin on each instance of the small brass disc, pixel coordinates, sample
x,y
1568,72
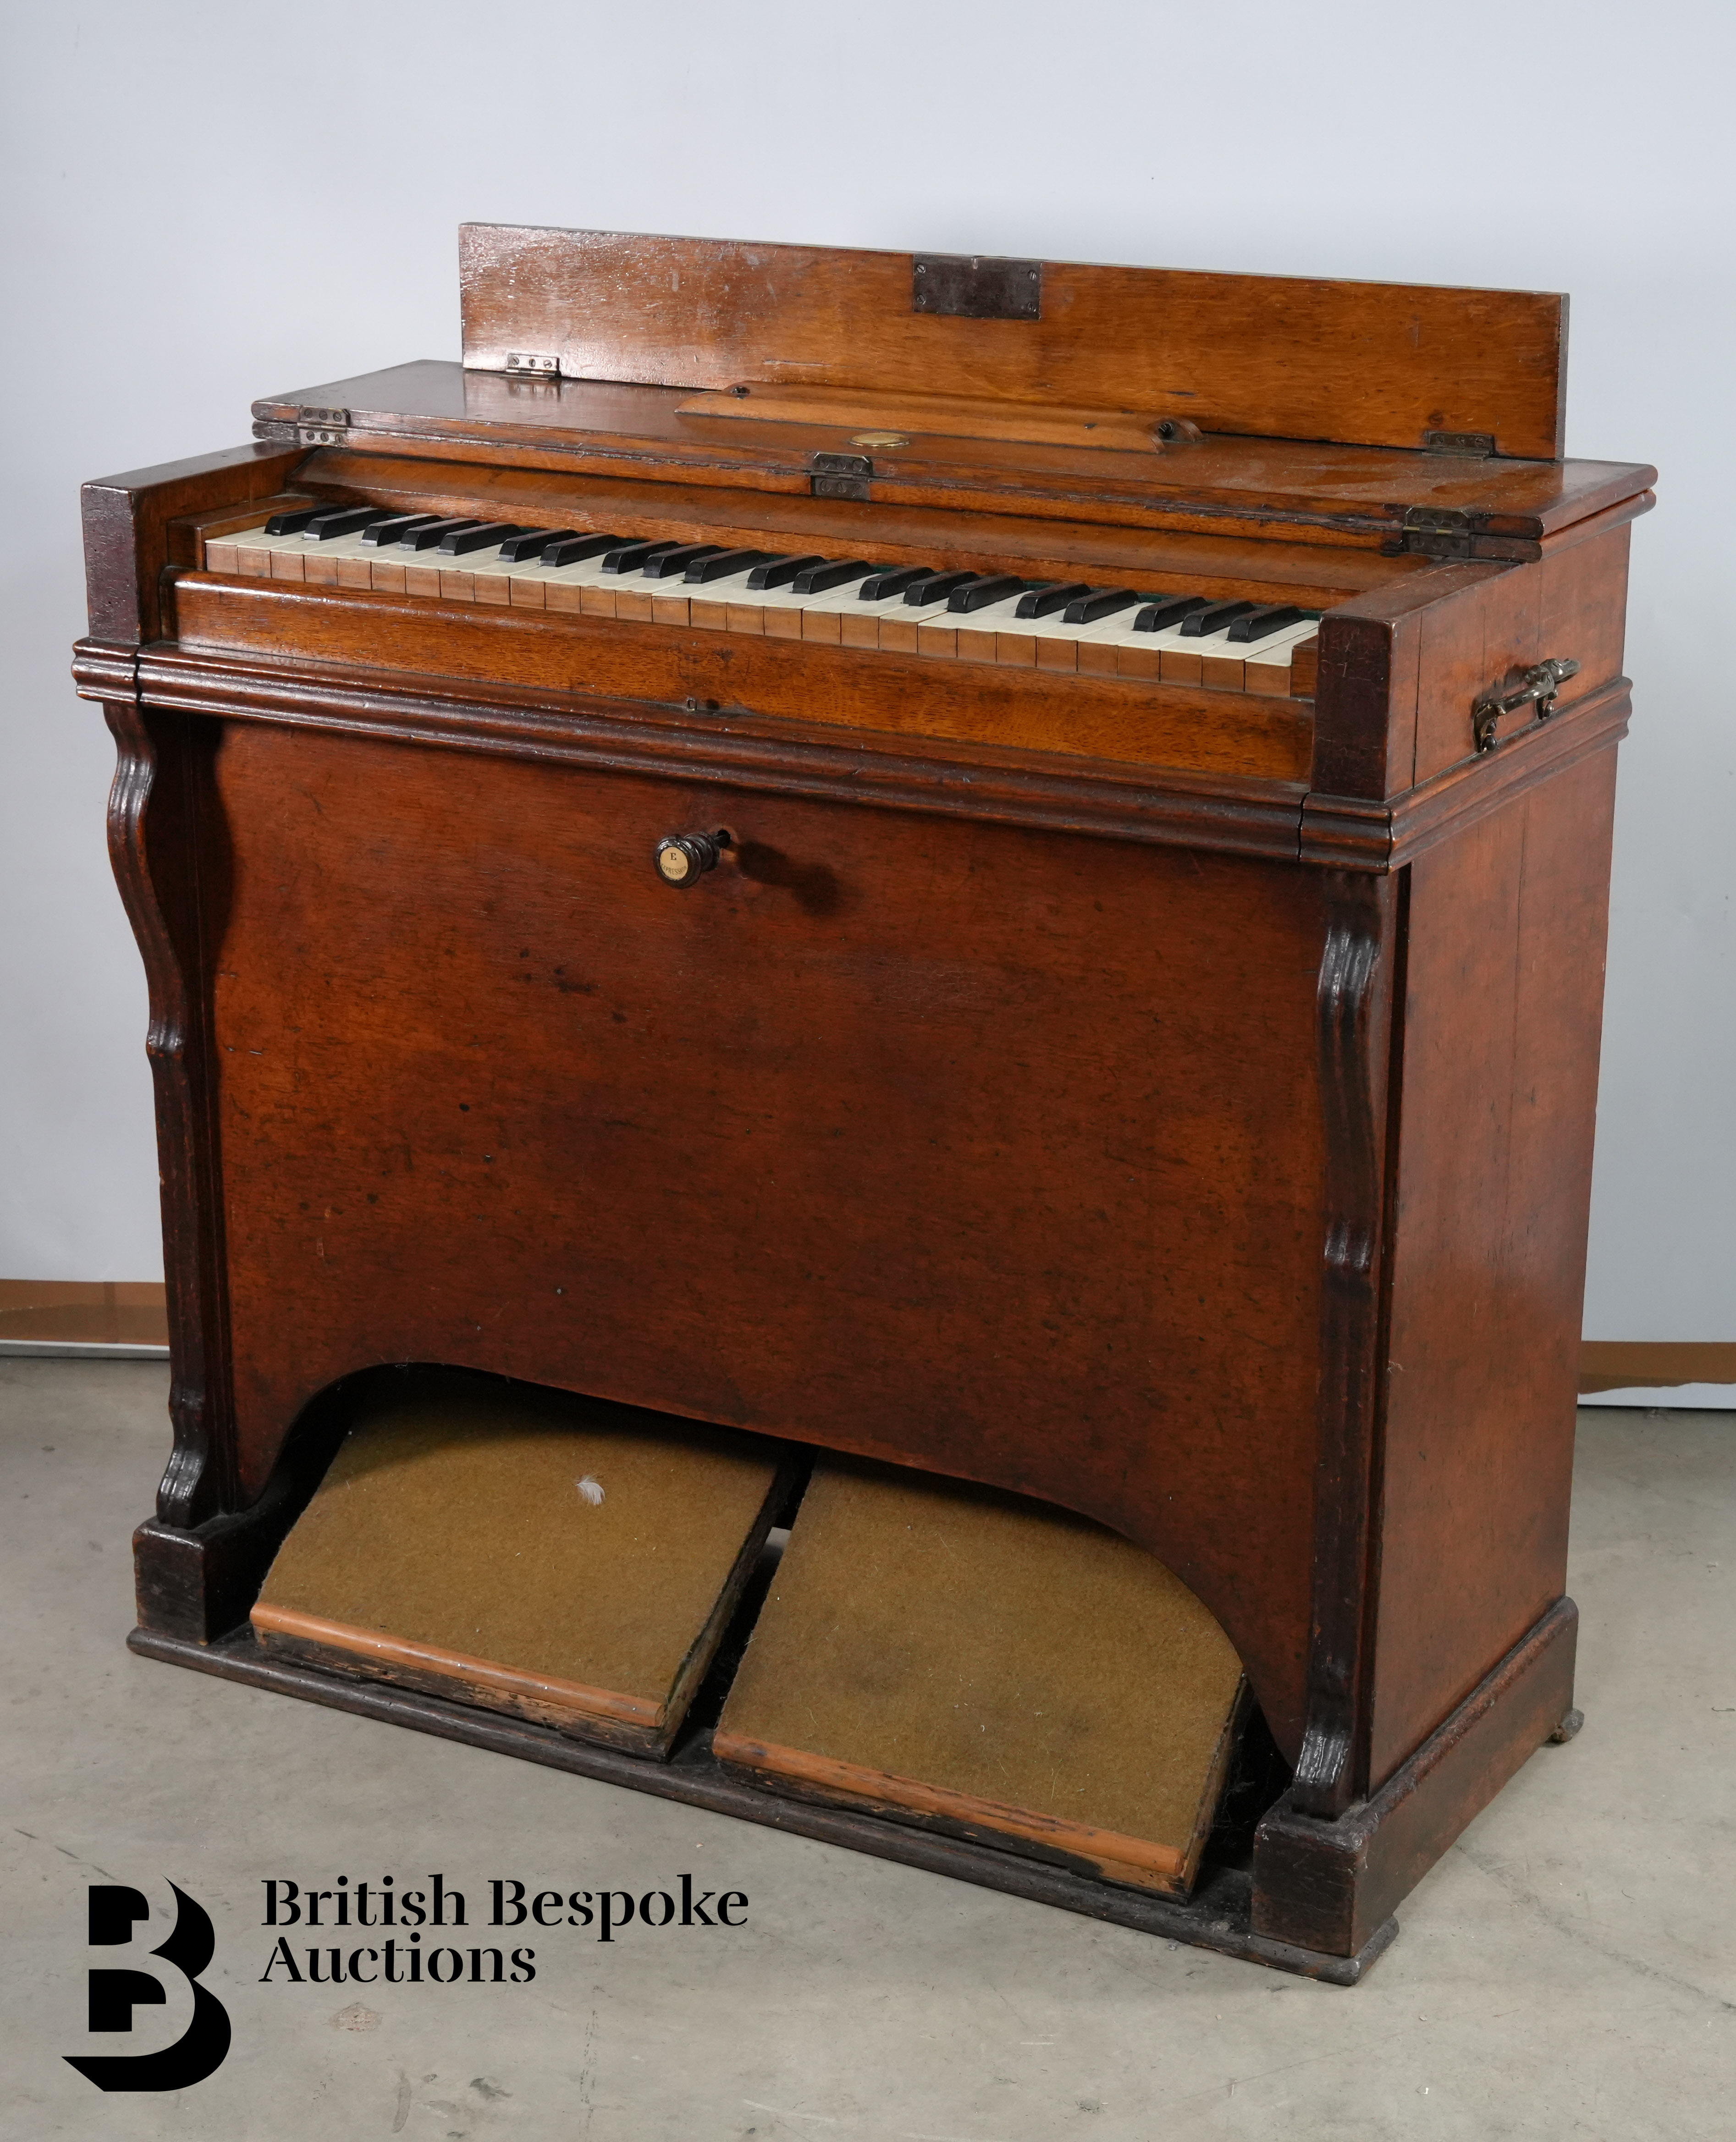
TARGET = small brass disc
x,y
878,439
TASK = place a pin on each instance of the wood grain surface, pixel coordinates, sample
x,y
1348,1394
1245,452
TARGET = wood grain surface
x,y
1502,1011
1379,363
747,1156
1113,719
1310,489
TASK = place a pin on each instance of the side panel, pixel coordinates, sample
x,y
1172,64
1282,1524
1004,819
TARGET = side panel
x,y
1572,603
1400,670
1503,1006
125,528
963,1145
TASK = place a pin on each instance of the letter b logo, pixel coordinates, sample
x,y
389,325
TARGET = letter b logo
x,y
200,2050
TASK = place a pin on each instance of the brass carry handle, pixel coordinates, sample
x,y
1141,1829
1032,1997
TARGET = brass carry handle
x,y
683,859
1540,684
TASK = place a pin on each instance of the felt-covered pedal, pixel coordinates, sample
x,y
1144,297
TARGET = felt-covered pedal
x,y
993,1667
571,1562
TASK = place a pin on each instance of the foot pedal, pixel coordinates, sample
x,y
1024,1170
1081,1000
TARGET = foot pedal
x,y
991,1667
567,1560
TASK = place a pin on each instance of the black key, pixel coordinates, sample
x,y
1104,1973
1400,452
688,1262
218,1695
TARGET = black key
x,y
778,571
1044,600
344,520
724,566
575,549
1100,603
1215,616
891,580
820,580
460,542
531,543
400,525
432,532
1167,610
1262,624
292,523
671,564
629,557
1049,597
996,587
938,587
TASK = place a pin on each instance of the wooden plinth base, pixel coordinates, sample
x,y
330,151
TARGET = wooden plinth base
x,y
1218,1917
1330,1885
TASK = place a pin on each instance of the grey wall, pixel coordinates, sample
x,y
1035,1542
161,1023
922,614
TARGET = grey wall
x,y
205,203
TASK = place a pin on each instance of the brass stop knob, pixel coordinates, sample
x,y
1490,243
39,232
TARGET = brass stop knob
x,y
683,859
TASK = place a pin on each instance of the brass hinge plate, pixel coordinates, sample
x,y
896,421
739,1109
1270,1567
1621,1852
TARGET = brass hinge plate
x,y
321,427
840,476
535,363
1438,532
966,286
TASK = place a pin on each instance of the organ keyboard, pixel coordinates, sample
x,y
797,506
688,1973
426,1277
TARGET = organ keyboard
x,y
919,608
1136,751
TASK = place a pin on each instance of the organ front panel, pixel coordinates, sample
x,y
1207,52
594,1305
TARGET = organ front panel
x,y
997,908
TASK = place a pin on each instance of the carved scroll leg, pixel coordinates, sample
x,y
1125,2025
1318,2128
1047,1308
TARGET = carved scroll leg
x,y
153,848
1352,1029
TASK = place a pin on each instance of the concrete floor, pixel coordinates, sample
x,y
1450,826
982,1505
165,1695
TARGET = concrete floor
x,y
1569,1969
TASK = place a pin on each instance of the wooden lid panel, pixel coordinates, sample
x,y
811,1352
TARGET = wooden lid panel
x,y
1370,364
1311,489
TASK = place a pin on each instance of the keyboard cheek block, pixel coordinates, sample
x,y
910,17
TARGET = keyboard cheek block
x,y
827,1040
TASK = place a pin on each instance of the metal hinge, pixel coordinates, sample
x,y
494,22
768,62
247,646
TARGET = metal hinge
x,y
1473,446
840,476
533,361
1438,532
321,427
1539,684
967,287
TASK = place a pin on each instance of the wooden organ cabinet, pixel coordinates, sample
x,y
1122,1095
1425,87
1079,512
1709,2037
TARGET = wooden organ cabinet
x,y
955,1000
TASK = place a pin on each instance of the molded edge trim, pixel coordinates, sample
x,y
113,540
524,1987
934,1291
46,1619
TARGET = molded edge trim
x,y
735,748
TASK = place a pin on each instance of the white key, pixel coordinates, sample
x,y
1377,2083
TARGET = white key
x,y
340,547
481,561
306,547
916,613
583,573
1172,635
845,597
256,538
533,579
1055,626
736,591
994,617
1288,636
1213,644
1274,654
